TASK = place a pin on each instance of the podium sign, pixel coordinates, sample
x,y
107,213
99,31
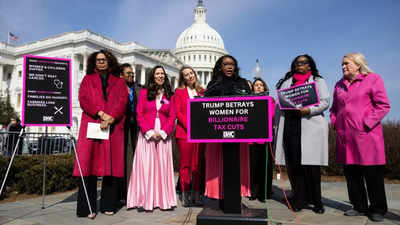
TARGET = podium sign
x,y
298,96
46,94
230,119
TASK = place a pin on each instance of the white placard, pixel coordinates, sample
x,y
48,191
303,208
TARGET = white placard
x,y
94,132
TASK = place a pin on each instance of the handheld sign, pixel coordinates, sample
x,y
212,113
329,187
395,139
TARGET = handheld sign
x,y
230,119
298,96
46,94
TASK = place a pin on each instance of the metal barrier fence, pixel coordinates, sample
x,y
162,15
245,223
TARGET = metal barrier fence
x,y
35,143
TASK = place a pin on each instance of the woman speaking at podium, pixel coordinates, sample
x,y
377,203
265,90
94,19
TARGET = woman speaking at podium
x,y
226,82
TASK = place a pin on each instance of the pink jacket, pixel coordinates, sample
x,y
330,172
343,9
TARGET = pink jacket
x,y
147,112
356,116
102,157
180,99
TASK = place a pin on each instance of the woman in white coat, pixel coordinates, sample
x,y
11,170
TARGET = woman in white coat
x,y
302,137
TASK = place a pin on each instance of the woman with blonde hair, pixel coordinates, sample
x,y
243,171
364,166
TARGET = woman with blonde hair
x,y
190,153
359,105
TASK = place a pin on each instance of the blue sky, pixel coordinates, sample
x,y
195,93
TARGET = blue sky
x,y
275,31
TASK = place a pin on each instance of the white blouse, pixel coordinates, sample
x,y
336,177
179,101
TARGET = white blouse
x,y
157,126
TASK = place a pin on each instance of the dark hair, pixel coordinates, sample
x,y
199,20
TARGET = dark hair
x,y
16,118
266,89
217,72
250,85
152,87
292,71
182,82
113,66
123,66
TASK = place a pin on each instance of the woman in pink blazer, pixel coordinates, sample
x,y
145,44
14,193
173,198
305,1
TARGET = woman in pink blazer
x,y
359,105
189,153
152,180
102,97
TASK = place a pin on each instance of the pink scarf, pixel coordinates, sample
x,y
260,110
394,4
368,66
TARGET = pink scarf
x,y
301,78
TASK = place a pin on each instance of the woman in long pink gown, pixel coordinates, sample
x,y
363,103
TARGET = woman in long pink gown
x,y
152,183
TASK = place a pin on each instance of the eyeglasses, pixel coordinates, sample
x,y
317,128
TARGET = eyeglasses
x,y
300,63
101,60
130,73
228,64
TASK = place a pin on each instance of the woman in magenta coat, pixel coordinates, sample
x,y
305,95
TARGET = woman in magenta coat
x,y
152,183
189,153
102,97
359,105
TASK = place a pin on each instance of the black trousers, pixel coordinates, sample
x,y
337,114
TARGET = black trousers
x,y
372,177
109,201
258,154
130,140
305,179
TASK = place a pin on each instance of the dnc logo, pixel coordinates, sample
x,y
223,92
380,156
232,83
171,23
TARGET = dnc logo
x,y
229,134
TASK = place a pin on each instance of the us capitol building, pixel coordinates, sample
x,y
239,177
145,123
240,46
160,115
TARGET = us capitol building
x,y
198,46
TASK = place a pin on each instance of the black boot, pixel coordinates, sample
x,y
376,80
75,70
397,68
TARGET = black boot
x,y
186,199
196,198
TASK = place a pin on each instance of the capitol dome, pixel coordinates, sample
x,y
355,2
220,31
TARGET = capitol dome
x,y
200,45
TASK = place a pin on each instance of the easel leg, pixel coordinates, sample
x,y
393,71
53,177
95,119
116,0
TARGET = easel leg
x,y
80,171
44,167
21,133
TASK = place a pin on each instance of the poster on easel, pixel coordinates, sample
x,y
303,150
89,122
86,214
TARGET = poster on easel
x,y
46,94
230,119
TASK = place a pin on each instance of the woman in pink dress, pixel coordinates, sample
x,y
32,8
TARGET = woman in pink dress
x,y
152,180
189,153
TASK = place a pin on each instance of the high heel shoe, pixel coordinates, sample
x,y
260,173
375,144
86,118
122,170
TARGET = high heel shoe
x,y
319,210
109,213
91,216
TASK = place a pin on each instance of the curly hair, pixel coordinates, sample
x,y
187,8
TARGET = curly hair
x,y
152,87
292,71
217,71
113,65
182,81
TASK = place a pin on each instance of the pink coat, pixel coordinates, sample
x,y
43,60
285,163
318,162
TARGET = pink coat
x,y
356,116
102,157
147,112
180,99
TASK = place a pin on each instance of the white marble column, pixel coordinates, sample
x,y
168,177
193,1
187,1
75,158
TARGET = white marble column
x,y
85,58
1,78
143,75
199,75
133,68
75,77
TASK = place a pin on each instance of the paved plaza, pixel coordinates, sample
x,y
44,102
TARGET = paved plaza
x,y
60,210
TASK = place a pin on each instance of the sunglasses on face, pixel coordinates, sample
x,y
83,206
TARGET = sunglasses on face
x,y
301,63
101,60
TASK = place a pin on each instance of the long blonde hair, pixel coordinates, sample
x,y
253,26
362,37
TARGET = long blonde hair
x,y
359,59
182,82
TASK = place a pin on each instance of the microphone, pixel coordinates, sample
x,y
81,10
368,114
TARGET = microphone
x,y
213,86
